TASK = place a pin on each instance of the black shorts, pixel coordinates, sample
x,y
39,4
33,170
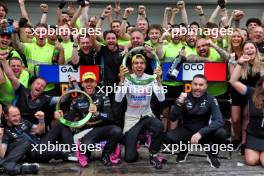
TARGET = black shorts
x,y
173,92
237,98
254,143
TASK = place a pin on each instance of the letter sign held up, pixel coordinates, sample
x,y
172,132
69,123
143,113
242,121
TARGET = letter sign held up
x,y
191,69
68,70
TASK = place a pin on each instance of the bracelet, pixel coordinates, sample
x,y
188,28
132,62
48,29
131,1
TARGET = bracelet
x,y
102,18
41,121
124,18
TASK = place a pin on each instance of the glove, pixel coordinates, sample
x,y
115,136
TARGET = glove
x,y
81,3
62,4
221,3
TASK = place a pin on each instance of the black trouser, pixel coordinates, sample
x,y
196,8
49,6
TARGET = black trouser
x,y
59,133
152,124
184,135
110,133
15,151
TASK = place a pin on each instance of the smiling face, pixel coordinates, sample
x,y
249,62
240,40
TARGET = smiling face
x,y
111,41
199,87
251,26
2,13
29,33
154,35
138,66
16,66
236,39
191,40
65,32
202,48
13,116
250,50
5,41
89,86
85,44
64,18
257,34
38,87
116,27
92,22
142,25
137,39
175,35
41,35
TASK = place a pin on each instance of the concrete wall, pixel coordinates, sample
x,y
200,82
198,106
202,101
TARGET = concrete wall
x,y
155,8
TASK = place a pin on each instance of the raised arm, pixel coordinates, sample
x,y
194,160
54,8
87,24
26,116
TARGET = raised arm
x,y
7,70
106,11
117,9
15,39
59,47
23,10
237,15
167,13
44,8
200,12
84,15
224,54
159,51
127,13
220,8
59,10
77,13
75,55
96,44
141,12
157,86
181,7
173,15
121,92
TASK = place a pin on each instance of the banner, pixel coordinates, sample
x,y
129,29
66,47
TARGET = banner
x,y
214,71
59,73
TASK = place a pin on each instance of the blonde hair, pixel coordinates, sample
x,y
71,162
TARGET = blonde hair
x,y
256,65
258,95
230,47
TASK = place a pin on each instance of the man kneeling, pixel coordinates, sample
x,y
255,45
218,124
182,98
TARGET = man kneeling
x,y
201,118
